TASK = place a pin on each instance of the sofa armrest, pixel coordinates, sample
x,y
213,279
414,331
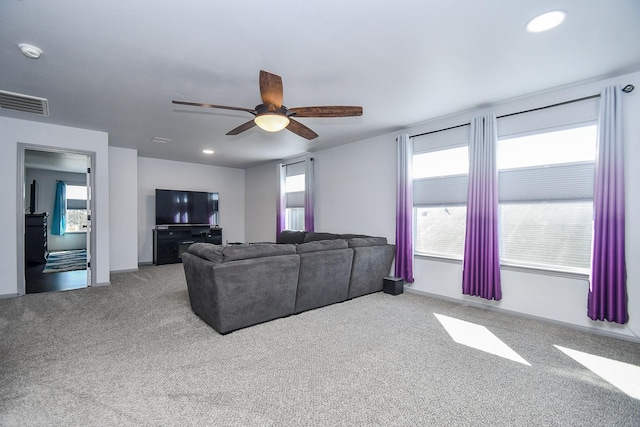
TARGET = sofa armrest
x,y
371,264
237,294
203,297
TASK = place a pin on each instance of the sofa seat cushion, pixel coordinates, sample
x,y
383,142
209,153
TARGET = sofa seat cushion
x,y
367,241
321,245
238,252
207,251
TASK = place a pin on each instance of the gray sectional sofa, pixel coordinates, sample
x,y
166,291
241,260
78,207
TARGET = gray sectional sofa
x,y
237,286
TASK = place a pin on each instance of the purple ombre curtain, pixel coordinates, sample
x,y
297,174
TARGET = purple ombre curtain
x,y
481,263
281,202
404,210
608,289
309,223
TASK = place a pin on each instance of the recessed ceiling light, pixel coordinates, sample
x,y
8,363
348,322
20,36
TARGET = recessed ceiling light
x,y
30,51
207,151
546,21
161,140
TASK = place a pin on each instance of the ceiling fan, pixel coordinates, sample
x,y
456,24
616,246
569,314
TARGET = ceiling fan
x,y
272,116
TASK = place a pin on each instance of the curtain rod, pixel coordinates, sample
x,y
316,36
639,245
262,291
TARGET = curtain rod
x,y
295,163
626,89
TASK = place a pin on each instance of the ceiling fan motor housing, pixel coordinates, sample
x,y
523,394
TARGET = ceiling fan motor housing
x,y
271,109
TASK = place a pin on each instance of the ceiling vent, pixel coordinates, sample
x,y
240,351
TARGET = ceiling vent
x,y
24,103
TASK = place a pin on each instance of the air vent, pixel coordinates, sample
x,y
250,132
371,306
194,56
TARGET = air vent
x,y
24,103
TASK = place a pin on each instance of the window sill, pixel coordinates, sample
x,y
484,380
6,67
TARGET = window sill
x,y
442,258
512,267
546,271
76,232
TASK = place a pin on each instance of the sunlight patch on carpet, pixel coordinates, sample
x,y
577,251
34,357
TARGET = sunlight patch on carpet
x,y
622,375
478,337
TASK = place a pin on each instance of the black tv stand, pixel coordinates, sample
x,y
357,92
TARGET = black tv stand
x,y
170,241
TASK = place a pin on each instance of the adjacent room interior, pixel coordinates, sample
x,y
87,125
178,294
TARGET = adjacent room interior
x,y
56,187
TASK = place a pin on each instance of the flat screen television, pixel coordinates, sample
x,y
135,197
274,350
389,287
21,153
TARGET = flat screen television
x,y
176,207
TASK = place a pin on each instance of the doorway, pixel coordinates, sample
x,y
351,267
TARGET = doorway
x,y
57,206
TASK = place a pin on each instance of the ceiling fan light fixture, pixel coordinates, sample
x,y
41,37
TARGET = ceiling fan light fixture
x,y
271,122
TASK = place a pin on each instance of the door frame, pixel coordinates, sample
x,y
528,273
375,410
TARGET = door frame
x,y
21,209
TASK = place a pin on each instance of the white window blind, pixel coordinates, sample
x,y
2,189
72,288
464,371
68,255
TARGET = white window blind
x,y
76,197
560,165
450,187
294,184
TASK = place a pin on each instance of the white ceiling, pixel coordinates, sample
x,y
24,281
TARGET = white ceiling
x,y
115,65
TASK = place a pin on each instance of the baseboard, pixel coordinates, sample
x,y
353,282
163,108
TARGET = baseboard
x,y
525,315
97,285
3,296
126,270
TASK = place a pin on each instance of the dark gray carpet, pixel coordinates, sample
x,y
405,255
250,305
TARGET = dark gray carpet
x,y
133,353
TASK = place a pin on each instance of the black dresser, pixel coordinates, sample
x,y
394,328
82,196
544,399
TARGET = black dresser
x,y
35,239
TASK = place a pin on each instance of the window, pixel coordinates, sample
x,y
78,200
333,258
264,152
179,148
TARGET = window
x,y
440,230
546,169
76,208
440,177
295,196
553,236
452,161
549,148
546,198
294,188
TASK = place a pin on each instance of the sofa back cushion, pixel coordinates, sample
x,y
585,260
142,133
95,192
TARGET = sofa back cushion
x,y
313,236
207,251
352,236
238,252
321,245
291,236
367,241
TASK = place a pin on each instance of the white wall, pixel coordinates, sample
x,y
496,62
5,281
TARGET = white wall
x,y
123,195
14,132
355,188
166,174
355,192
260,202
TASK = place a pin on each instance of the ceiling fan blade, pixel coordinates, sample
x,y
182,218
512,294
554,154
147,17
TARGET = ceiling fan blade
x,y
301,130
271,89
223,107
328,111
245,126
